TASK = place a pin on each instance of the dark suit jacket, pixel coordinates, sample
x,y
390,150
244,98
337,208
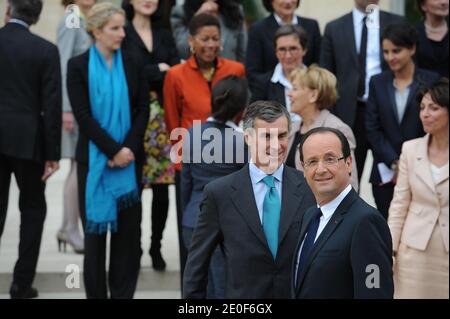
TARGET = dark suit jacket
x,y
339,55
30,95
78,89
196,174
268,91
229,217
356,236
164,51
384,133
432,57
261,58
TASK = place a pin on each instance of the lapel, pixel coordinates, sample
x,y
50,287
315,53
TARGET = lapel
x,y
444,175
329,229
412,92
292,198
423,170
244,201
389,85
348,35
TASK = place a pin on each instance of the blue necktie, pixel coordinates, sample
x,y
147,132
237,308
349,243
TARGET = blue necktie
x,y
271,214
308,243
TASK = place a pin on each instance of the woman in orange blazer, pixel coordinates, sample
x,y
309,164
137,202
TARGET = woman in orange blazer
x,y
418,215
187,90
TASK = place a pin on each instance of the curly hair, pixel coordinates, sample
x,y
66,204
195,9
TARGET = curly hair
x,y
229,9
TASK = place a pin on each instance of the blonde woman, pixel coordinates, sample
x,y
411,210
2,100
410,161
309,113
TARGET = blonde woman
x,y
110,102
313,94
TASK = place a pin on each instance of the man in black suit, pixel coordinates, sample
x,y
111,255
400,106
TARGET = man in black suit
x,y
260,58
345,247
351,49
30,130
252,214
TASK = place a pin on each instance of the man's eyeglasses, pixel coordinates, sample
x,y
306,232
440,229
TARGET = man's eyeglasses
x,y
291,50
327,161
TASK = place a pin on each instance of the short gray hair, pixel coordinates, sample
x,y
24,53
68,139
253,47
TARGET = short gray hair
x,y
268,111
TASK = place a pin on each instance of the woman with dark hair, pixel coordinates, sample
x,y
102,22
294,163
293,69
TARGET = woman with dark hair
x,y
392,114
110,102
261,58
187,89
228,100
71,42
432,48
154,48
418,215
231,16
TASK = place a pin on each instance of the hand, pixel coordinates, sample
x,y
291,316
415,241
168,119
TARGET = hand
x,y
68,121
163,67
395,168
209,7
123,157
49,168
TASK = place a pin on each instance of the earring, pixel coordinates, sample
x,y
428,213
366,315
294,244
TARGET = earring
x,y
191,49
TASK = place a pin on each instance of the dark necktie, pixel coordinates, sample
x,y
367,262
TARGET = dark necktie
x,y
308,243
362,60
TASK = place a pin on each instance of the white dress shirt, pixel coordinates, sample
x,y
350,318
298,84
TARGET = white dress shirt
x,y
295,19
373,62
260,188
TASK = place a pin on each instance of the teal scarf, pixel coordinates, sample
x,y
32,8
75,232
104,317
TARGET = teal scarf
x,y
108,189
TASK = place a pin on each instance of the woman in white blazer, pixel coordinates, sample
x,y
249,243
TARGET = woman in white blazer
x,y
418,215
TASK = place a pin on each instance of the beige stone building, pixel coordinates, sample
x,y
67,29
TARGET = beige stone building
x,y
321,10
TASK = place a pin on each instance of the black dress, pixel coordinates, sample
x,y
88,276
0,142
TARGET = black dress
x,y
432,55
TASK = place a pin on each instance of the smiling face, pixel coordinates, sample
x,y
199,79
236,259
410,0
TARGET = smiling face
x,y
289,52
144,7
268,143
397,57
206,44
284,8
326,181
433,116
302,97
438,8
111,35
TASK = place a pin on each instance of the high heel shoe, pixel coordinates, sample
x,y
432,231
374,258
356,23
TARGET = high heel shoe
x,y
157,260
63,239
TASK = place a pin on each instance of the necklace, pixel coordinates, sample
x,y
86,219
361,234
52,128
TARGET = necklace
x,y
208,75
443,27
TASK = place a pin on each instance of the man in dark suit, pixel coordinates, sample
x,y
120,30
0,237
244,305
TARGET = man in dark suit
x,y
30,130
345,247
260,58
351,50
252,214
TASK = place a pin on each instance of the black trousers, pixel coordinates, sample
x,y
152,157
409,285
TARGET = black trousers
x,y
160,208
360,132
183,250
383,195
33,210
125,251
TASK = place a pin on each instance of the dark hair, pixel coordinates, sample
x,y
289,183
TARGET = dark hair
x,y
268,5
229,97
230,10
26,10
202,20
401,34
295,30
65,3
268,111
438,92
344,142
156,17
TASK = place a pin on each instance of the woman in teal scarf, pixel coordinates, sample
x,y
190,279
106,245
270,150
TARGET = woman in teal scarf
x,y
110,103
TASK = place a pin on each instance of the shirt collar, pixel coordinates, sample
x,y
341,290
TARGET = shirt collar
x,y
295,19
329,208
227,123
256,174
358,17
18,21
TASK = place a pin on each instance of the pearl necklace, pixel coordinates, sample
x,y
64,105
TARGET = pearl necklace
x,y
443,27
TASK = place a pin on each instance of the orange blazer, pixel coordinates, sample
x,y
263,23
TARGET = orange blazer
x,y
418,203
187,94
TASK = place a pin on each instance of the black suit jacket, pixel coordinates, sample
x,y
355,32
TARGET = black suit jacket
x,y
261,58
268,91
384,133
339,55
30,95
78,89
229,217
357,236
